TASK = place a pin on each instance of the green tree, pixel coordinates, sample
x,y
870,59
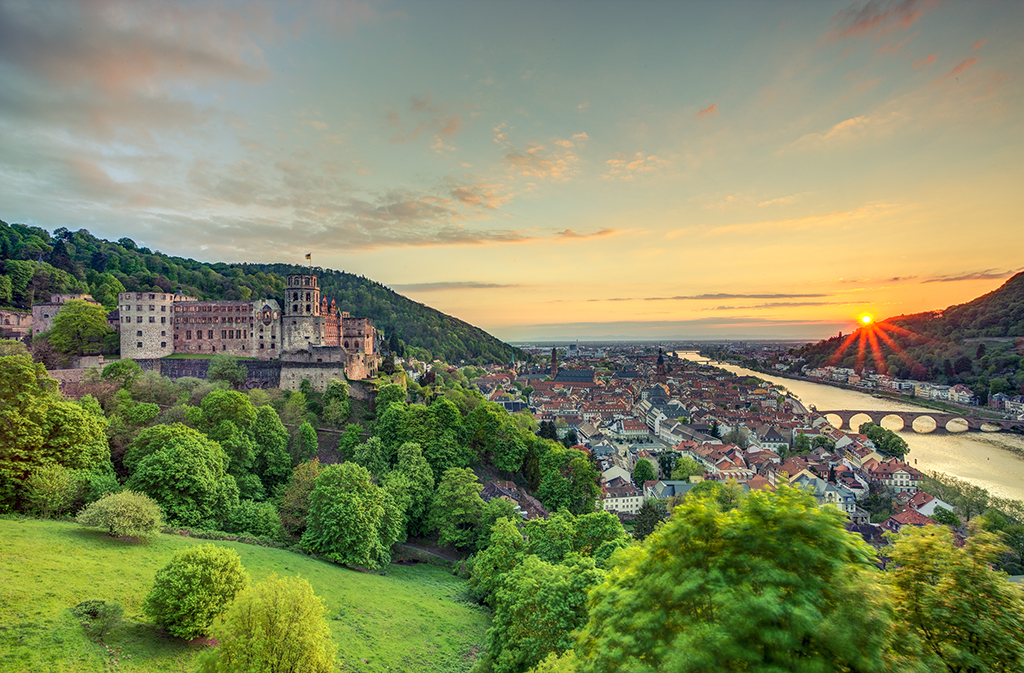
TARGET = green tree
x,y
272,463
711,590
372,455
124,514
276,626
801,444
226,368
506,548
568,479
191,590
687,467
959,613
414,466
537,608
973,500
388,394
254,518
457,508
293,506
125,371
946,517
651,513
38,427
351,520
10,347
336,403
304,444
52,489
643,471
184,471
79,328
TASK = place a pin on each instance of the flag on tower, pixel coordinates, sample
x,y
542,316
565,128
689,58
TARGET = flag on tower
x,y
309,255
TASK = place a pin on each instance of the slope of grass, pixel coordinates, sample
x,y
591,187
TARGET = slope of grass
x,y
412,618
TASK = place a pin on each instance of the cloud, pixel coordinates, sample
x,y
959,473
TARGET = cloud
x,y
571,234
782,200
718,296
537,161
718,327
427,116
627,167
979,43
926,61
580,136
446,286
894,49
855,128
481,195
876,18
779,304
710,111
441,147
583,106
318,125
963,65
987,274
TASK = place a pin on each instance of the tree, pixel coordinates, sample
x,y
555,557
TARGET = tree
x,y
643,472
351,520
38,427
973,500
52,489
254,518
272,463
801,444
10,347
124,514
304,444
505,549
735,436
946,517
568,479
293,506
184,471
651,513
414,466
226,368
125,371
457,508
372,455
537,608
687,467
191,590
336,403
278,625
388,394
79,328
960,614
710,590
667,462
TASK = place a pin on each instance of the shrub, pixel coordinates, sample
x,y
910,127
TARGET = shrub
x,y
52,489
277,625
255,518
99,617
124,514
191,590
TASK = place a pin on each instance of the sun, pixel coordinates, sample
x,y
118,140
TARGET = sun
x,y
866,319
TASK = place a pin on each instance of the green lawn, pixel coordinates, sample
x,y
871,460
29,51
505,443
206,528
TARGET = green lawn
x,y
412,618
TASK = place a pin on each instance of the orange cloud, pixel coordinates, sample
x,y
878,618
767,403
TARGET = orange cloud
x,y
979,43
709,111
572,234
877,18
963,65
537,161
926,61
626,168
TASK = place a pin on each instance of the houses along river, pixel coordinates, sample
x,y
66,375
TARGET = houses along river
x,y
983,458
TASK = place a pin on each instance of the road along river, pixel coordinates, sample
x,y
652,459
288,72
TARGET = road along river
x,y
983,458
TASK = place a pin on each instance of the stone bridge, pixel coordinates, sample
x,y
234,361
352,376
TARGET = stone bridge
x,y
920,421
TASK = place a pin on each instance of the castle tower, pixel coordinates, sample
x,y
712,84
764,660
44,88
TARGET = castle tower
x,y
554,362
302,325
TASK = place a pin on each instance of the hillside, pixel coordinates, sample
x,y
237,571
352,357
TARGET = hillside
x,y
34,264
410,618
971,343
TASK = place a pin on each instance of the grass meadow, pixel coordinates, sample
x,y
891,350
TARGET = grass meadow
x,y
410,618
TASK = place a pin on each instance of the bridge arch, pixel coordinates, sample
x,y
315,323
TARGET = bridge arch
x,y
858,420
924,424
893,422
991,427
957,425
835,420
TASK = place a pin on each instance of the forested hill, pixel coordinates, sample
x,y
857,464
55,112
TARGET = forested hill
x,y
955,345
35,264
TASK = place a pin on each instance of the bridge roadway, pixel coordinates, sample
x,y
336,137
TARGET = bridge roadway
x,y
942,419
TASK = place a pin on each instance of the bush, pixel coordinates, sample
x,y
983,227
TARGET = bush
x,y
277,625
124,514
191,590
52,489
255,518
99,617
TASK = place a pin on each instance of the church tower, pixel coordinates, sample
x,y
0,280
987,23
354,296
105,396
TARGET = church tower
x,y
302,325
554,362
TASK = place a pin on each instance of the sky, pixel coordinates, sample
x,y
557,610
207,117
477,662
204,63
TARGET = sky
x,y
544,170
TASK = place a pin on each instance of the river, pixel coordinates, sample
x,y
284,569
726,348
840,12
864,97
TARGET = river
x,y
983,458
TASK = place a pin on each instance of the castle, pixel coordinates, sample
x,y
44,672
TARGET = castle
x,y
308,328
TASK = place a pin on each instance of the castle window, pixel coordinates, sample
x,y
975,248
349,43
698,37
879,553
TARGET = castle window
x,y
222,347
231,334
307,308
188,334
138,318
138,345
152,307
346,344
295,296
128,319
163,333
295,309
355,345
223,334
138,307
271,344
139,333
163,309
261,346
307,298
152,296
152,318
163,344
163,320
210,334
